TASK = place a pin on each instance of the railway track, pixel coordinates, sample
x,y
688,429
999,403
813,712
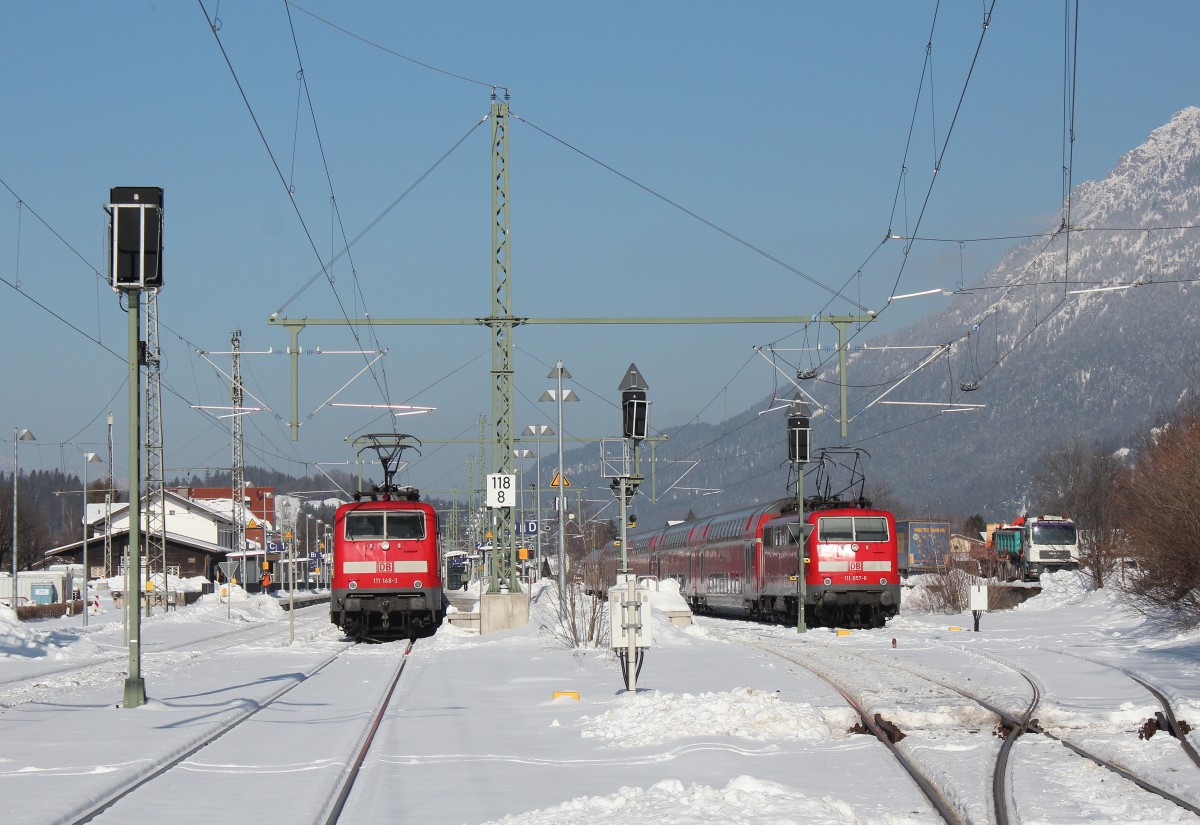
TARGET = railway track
x,y
20,690
1166,718
1014,722
269,726
1169,723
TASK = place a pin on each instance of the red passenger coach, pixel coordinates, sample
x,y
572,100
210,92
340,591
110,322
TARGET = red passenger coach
x,y
744,563
386,567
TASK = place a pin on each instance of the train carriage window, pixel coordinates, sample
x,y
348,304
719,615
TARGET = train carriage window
x,y
364,527
835,529
405,526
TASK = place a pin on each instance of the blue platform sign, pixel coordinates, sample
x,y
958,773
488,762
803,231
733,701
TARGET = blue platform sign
x,y
529,527
276,546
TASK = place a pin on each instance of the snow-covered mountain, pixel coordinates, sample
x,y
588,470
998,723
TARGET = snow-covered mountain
x,y
1049,364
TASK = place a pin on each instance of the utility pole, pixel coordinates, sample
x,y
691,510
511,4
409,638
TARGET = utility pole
x,y
238,476
501,322
135,685
156,503
108,500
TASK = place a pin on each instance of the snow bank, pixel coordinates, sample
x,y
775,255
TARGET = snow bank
x,y
744,713
667,597
1063,588
194,584
744,799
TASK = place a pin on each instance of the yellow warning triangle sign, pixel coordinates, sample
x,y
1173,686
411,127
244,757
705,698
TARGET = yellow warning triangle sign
x,y
560,481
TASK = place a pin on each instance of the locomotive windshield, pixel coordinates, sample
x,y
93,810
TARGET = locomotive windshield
x,y
858,528
1054,533
385,525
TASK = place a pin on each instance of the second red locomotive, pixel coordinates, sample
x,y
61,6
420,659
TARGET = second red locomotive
x,y
745,562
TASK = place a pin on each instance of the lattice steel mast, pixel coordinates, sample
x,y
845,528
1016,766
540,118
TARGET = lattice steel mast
x,y
237,485
501,323
156,509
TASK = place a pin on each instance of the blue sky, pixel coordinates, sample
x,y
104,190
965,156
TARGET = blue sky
x,y
783,124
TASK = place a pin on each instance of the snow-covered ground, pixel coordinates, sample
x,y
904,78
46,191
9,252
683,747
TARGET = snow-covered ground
x,y
728,724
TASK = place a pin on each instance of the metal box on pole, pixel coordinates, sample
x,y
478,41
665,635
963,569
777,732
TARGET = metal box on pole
x,y
135,254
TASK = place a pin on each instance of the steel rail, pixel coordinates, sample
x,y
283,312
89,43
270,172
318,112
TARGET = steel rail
x,y
1168,711
135,784
1019,725
944,809
351,774
117,657
1102,762
1170,714
1000,784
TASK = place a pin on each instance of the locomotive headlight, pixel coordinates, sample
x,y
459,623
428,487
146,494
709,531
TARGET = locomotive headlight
x,y
353,585
417,584
883,581
828,582
385,545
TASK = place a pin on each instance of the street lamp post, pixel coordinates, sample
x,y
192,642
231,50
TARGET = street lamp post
x,y
560,500
19,435
88,458
538,430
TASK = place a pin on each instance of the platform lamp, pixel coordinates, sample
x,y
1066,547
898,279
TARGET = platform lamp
x,y
799,436
88,458
19,435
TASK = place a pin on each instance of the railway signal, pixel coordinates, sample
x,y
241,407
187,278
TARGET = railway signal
x,y
135,265
631,628
799,432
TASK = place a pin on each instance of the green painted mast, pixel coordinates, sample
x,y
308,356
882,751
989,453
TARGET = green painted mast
x,y
504,547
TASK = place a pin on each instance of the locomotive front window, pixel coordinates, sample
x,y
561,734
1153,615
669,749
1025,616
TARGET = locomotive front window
x,y
844,528
836,529
364,527
405,526
870,529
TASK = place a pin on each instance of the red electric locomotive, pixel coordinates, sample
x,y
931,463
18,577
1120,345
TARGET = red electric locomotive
x,y
852,577
386,559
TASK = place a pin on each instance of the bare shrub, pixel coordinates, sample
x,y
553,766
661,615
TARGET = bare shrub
x,y
946,591
579,620
1161,508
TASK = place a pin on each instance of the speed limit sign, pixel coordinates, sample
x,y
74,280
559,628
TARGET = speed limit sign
x,y
501,490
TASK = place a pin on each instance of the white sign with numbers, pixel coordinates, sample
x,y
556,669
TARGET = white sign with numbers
x,y
501,490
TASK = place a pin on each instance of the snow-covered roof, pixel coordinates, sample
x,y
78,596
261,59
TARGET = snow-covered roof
x,y
95,512
175,538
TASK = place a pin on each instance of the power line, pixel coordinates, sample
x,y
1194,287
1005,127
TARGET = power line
x,y
392,52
